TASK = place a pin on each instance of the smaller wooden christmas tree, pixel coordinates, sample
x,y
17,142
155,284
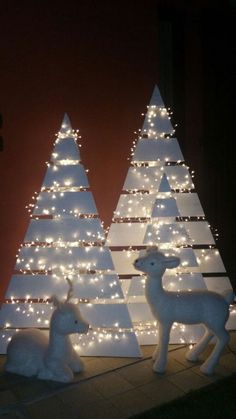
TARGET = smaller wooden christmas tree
x,y
65,239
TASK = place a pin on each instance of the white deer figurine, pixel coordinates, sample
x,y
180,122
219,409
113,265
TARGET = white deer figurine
x,y
203,307
32,353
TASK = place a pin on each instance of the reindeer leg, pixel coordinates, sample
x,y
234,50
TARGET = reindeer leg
x,y
164,335
76,363
156,350
57,370
63,374
222,340
155,353
193,354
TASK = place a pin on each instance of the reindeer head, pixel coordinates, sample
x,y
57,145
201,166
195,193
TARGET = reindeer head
x,y
67,319
155,262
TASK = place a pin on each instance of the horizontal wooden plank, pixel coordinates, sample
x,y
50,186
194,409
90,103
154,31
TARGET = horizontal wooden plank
x,y
87,286
39,314
66,258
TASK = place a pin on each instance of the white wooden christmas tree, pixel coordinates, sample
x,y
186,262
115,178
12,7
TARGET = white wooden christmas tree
x,y
65,238
159,206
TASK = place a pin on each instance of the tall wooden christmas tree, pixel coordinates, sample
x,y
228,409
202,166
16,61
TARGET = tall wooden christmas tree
x,y
159,206
65,238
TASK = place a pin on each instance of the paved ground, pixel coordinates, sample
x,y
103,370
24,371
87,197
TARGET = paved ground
x,y
109,387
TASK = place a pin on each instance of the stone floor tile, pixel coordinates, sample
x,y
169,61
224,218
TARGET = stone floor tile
x,y
174,346
111,384
18,412
139,373
7,397
173,366
8,381
147,350
161,391
95,367
210,348
99,410
220,372
179,356
30,388
232,342
187,380
49,408
80,394
2,361
229,361
113,363
132,402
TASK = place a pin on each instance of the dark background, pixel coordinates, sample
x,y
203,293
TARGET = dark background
x,y
99,61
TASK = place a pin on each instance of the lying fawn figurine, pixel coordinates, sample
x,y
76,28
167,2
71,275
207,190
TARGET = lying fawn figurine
x,y
205,307
32,353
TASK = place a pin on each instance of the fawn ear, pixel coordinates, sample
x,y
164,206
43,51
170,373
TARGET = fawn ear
x,y
57,303
152,249
172,262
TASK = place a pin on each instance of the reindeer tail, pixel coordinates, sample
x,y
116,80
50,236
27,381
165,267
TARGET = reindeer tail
x,y
229,296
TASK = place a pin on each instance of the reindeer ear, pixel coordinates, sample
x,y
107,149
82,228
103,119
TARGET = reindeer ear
x,y
172,262
152,249
70,290
57,303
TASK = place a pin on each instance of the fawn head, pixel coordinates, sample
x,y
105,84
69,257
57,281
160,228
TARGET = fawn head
x,y
155,262
67,319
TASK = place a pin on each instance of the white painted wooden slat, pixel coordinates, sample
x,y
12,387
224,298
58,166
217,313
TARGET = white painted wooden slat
x,y
139,205
65,149
114,343
38,315
90,258
65,203
143,178
218,284
173,233
165,207
179,177
189,205
66,176
126,234
149,178
106,315
44,286
209,260
26,315
157,122
66,230
123,260
191,334
140,312
170,282
199,232
163,150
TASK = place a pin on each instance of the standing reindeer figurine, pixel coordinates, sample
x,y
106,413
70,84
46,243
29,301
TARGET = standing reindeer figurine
x,y
32,353
205,307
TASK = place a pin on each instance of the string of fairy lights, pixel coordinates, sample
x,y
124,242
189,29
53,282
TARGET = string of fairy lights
x,y
142,211
65,238
158,205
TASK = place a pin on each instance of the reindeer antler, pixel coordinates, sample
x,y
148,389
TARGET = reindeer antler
x,y
70,290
